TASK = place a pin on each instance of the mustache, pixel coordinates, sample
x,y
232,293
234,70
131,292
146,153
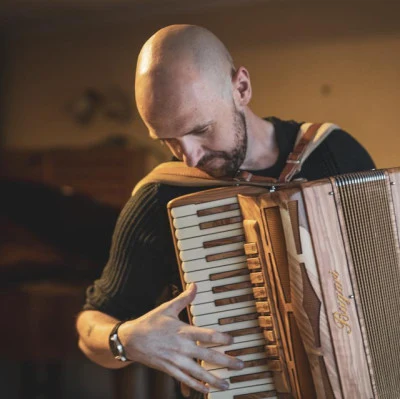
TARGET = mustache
x,y
210,156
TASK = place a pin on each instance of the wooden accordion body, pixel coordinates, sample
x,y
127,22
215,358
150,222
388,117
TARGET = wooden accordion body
x,y
322,263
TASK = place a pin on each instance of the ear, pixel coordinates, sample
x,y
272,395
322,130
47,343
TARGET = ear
x,y
242,86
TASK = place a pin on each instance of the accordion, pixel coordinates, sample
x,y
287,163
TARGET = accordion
x,y
306,278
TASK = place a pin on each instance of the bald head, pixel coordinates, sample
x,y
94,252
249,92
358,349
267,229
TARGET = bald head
x,y
175,54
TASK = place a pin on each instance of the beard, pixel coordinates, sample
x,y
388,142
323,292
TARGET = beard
x,y
226,164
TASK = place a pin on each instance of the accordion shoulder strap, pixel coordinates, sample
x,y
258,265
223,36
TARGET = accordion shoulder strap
x,y
178,174
310,136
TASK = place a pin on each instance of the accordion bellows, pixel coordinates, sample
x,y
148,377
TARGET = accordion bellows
x,y
306,278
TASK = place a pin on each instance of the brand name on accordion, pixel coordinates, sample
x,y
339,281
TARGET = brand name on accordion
x,y
341,316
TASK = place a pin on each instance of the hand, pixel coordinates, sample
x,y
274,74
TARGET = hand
x,y
161,341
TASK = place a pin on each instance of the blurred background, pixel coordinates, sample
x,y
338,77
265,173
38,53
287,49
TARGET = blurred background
x,y
72,145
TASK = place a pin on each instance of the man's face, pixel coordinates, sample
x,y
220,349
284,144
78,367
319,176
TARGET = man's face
x,y
227,162
199,125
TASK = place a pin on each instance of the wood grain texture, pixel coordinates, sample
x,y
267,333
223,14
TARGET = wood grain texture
x,y
342,345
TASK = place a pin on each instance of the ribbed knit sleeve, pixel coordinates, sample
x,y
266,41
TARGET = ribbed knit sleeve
x,y
142,264
141,259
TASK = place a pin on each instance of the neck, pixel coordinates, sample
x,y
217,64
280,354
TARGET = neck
x,y
262,148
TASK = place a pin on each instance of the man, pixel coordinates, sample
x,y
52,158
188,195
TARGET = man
x,y
192,99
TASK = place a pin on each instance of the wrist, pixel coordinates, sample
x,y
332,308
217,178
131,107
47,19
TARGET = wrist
x,y
115,344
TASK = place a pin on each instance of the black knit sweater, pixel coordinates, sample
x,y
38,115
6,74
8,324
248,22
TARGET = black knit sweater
x,y
142,259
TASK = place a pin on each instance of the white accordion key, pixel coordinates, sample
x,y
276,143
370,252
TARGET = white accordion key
x,y
226,284
198,253
226,374
203,241
193,220
192,209
211,307
234,327
220,318
240,350
210,274
205,297
199,264
267,389
196,231
260,380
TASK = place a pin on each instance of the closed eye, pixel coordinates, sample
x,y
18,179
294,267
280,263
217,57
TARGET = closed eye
x,y
201,131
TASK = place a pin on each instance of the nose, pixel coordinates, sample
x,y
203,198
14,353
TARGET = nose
x,y
187,150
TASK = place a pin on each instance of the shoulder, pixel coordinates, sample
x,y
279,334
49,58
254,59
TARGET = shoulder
x,y
345,147
339,153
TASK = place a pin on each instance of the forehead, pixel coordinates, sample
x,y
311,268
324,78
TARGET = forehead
x,y
174,111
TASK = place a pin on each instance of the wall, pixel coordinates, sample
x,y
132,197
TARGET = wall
x,y
317,62
308,61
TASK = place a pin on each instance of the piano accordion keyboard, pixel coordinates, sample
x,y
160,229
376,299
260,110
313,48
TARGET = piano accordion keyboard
x,y
209,241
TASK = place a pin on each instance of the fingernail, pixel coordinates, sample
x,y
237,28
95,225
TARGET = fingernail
x,y
225,385
240,363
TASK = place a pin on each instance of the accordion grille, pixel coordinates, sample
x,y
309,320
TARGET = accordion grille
x,y
374,248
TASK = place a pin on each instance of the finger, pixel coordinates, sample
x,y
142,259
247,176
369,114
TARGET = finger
x,y
176,305
209,336
193,368
213,356
180,375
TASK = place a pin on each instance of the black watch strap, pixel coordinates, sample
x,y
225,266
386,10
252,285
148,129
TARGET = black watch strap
x,y
115,344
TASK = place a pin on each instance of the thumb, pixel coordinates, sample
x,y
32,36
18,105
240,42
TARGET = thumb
x,y
181,301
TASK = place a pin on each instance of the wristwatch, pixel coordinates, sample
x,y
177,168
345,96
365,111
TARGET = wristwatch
x,y
116,347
